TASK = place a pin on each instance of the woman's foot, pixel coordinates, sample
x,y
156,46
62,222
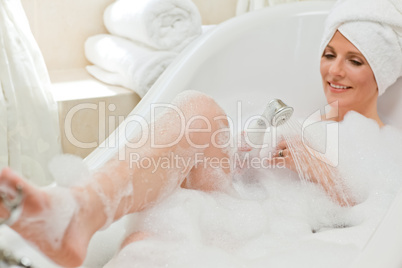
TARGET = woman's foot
x,y
51,219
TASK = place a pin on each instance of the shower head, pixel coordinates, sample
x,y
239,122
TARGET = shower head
x,y
277,112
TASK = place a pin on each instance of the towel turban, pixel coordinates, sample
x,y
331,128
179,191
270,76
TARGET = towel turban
x,y
375,28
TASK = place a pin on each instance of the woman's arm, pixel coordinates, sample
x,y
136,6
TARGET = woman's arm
x,y
311,167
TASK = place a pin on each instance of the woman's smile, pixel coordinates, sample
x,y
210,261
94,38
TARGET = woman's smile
x,y
337,87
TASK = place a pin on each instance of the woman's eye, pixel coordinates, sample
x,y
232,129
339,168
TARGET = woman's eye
x,y
356,62
329,56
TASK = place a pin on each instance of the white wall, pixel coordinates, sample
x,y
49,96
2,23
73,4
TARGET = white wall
x,y
216,11
61,26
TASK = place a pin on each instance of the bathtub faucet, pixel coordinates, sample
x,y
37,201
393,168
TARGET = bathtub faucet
x,y
7,258
12,205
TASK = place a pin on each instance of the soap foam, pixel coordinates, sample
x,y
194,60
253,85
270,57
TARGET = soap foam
x,y
68,170
53,219
274,220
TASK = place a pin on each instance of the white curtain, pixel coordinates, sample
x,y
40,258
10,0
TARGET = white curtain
x,y
29,129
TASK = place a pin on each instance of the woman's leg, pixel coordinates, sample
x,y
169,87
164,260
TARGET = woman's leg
x,y
134,237
124,186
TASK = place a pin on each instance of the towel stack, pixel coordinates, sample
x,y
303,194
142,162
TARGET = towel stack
x,y
145,36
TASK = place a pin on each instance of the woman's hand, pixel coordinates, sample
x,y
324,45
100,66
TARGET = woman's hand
x,y
312,168
283,153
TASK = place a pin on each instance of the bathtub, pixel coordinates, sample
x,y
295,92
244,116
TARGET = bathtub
x,y
253,58
243,63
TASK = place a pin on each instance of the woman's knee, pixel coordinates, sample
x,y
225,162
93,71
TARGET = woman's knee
x,y
195,103
204,118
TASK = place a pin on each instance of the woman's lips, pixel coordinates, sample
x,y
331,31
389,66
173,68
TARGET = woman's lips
x,y
337,88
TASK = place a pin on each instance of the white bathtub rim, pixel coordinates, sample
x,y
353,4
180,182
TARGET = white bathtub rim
x,y
169,84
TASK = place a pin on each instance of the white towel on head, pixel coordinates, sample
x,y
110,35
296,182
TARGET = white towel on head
x,y
161,24
375,28
121,62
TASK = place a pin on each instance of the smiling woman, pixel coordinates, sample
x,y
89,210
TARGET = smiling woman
x,y
348,79
193,228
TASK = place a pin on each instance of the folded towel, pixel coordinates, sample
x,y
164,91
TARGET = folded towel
x,y
375,28
161,24
125,63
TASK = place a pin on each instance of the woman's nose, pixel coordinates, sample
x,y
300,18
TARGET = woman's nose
x,y
337,68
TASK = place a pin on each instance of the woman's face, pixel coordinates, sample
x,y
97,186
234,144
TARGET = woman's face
x,y
347,76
